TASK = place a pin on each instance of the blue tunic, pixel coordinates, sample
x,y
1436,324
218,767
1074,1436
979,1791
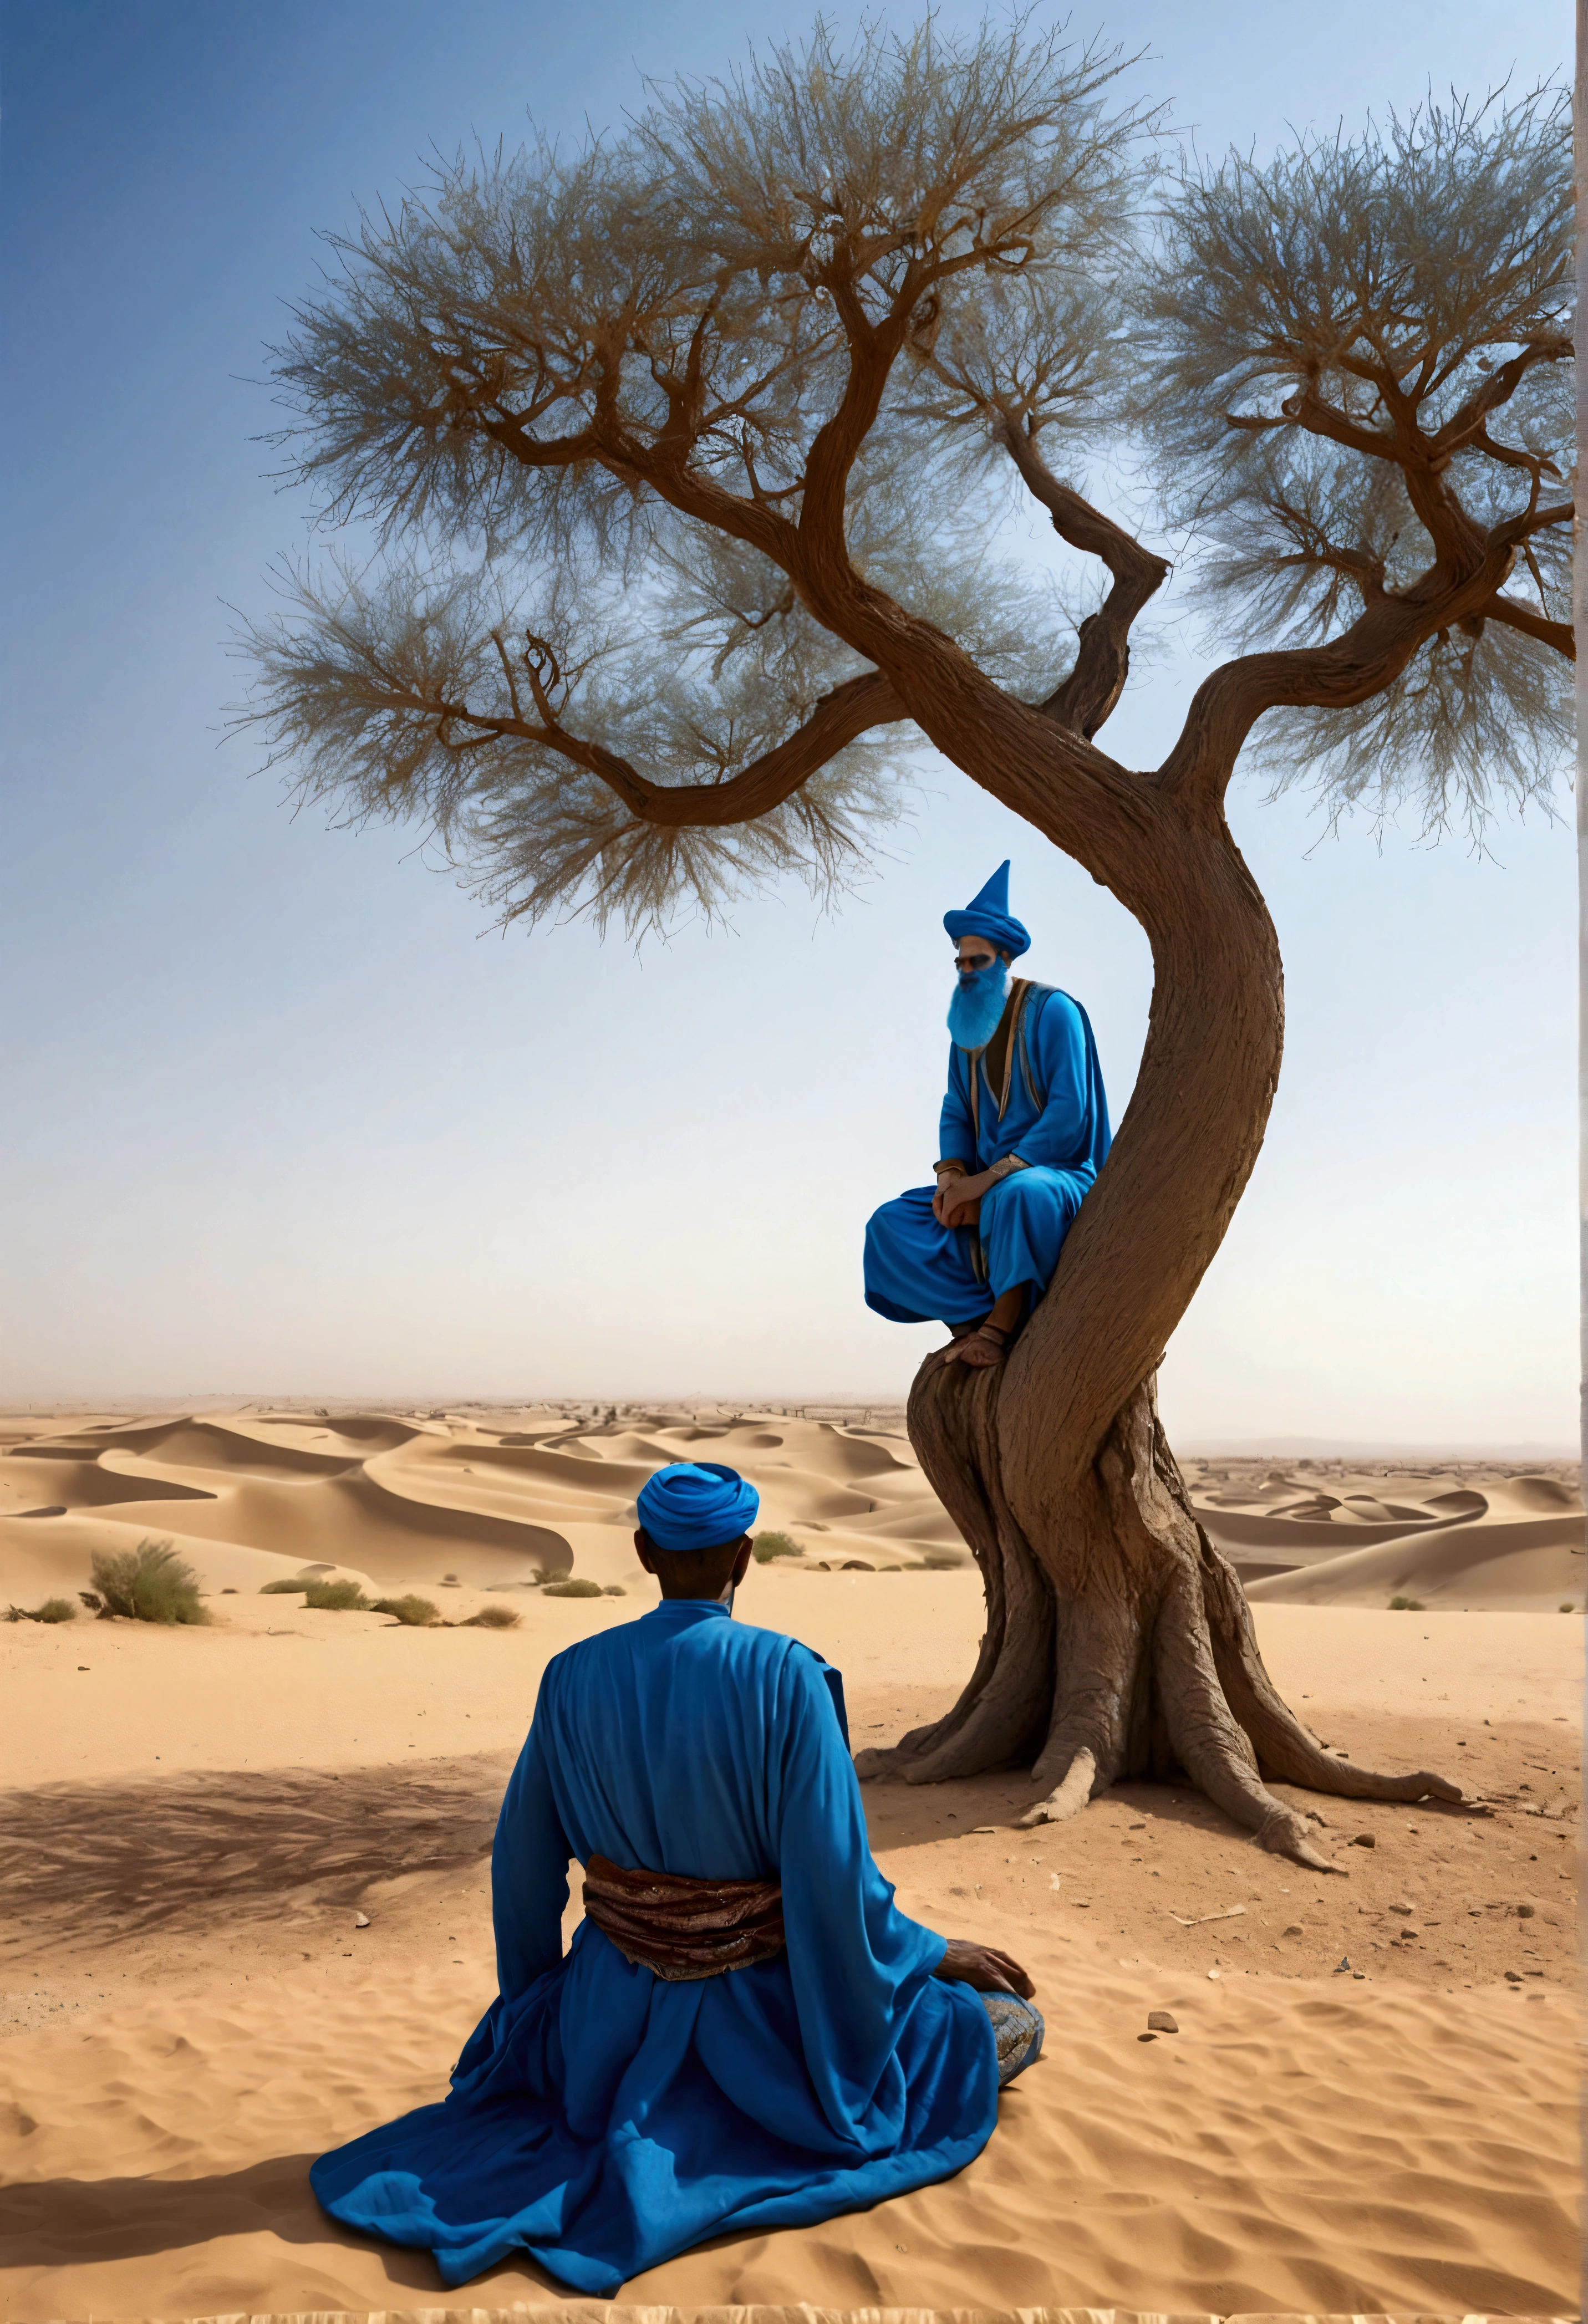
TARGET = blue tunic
x,y
601,2118
1051,1110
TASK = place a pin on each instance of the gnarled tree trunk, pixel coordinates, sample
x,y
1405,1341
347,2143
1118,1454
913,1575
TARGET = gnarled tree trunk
x,y
1119,1642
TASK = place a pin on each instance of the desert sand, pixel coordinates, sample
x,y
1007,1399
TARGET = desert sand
x,y
192,1819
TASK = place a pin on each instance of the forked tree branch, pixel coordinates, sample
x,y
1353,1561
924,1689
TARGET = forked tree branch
x,y
839,718
1103,657
1351,668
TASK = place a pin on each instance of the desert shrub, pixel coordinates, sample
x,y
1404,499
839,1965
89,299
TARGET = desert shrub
x,y
150,1583
416,1613
1406,1606
769,1546
491,1617
573,1590
616,1590
544,1573
61,1609
56,1601
341,1597
283,1589
942,1561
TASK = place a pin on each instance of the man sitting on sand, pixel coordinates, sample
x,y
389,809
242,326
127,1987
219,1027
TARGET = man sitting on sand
x,y
745,2033
1023,1133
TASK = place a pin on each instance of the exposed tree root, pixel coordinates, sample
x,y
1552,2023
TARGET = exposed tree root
x,y
1120,1648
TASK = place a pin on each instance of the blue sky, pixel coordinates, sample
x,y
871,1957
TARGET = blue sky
x,y
286,1116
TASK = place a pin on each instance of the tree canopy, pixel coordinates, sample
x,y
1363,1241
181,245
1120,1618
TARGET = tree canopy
x,y
668,441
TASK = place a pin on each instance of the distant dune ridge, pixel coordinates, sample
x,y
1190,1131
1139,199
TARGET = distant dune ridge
x,y
250,1498
253,1496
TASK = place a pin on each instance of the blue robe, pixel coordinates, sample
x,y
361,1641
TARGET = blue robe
x,y
1051,1110
601,2118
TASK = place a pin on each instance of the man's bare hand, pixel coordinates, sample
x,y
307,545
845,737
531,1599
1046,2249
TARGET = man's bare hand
x,y
983,1967
958,1199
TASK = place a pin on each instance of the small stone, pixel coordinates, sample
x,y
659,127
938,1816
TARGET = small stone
x,y
1343,1965
1313,1817
1525,1911
1513,1976
1135,1827
1161,2022
1082,1904
1213,1974
1152,2037
1363,1839
983,1827
361,1920
1295,1929
1400,1908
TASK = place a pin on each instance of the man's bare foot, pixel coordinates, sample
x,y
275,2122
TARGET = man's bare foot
x,y
981,1349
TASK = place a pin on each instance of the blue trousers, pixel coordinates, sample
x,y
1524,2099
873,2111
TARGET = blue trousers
x,y
918,1272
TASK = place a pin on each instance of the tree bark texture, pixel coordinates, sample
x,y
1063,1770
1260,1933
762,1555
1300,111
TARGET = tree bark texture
x,y
1119,1643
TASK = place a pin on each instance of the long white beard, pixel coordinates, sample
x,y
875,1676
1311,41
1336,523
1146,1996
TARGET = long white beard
x,y
977,1005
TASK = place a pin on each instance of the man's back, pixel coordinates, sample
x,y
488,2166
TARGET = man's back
x,y
668,1739
602,2116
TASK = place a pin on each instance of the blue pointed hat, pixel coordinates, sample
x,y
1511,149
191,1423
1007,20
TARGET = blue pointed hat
x,y
988,915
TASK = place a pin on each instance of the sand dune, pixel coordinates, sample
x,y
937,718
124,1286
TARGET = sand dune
x,y
1333,1537
400,1499
192,1819
498,1497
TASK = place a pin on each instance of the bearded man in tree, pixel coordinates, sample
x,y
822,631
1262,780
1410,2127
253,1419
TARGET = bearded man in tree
x,y
1023,1134
746,2032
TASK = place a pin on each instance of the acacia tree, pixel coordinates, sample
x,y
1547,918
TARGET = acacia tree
x,y
691,456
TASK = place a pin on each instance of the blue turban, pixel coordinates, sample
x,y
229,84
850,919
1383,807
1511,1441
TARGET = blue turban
x,y
987,914
696,1505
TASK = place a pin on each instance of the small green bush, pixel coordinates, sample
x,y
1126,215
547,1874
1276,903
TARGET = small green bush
x,y
573,1590
616,1590
60,1610
283,1589
416,1613
544,1573
769,1546
150,1583
491,1617
1406,1606
336,1597
56,1601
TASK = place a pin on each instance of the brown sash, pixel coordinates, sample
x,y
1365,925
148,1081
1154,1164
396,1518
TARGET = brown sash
x,y
684,1929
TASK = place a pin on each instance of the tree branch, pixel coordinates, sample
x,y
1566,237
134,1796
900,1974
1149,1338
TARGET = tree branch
x,y
1465,426
1103,659
1361,662
1517,616
839,718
